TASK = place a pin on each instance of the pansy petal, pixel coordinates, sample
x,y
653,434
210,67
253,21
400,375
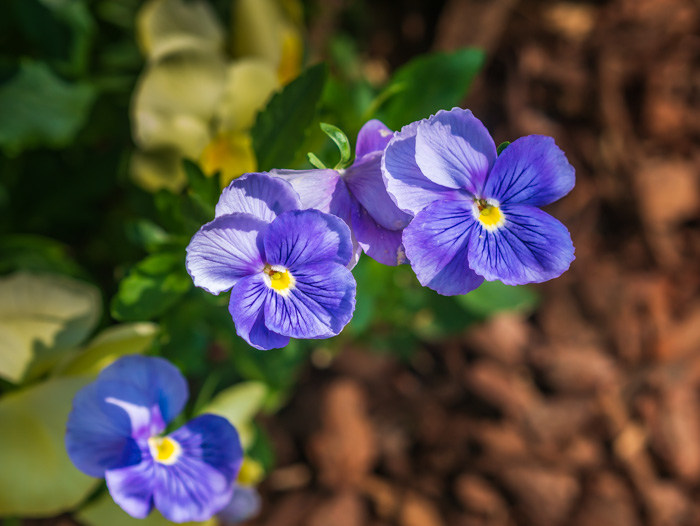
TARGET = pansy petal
x,y
377,242
326,191
258,194
245,504
408,187
315,187
131,487
531,170
303,237
146,381
364,179
130,400
344,206
373,137
530,247
454,150
97,439
437,243
224,251
246,307
319,305
200,481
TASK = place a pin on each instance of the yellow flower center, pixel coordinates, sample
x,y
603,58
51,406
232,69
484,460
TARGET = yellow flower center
x,y
280,279
164,449
489,214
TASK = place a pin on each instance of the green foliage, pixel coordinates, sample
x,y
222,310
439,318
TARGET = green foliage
x,y
280,128
204,191
502,147
151,287
37,108
104,512
493,296
341,141
37,477
427,84
36,254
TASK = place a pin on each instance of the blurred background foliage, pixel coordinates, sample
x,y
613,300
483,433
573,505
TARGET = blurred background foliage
x,y
120,121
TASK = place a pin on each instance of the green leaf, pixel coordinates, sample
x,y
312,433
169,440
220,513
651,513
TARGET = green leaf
x,y
40,315
204,190
37,477
104,512
493,297
341,141
427,84
502,147
239,404
316,162
76,15
151,287
39,109
280,128
36,254
110,344
148,234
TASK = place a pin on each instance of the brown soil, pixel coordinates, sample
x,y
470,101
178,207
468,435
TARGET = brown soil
x,y
588,412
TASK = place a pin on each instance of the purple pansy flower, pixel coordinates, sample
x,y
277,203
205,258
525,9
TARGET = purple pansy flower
x,y
476,214
358,196
286,268
114,431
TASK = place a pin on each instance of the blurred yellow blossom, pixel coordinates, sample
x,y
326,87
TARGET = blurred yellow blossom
x,y
194,100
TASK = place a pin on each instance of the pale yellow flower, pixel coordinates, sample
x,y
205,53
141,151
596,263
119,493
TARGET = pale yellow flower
x,y
192,100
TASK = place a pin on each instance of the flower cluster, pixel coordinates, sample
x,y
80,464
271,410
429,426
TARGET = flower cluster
x,y
435,194
114,431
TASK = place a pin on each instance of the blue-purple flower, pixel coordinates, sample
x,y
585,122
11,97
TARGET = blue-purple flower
x,y
286,268
358,196
115,431
476,214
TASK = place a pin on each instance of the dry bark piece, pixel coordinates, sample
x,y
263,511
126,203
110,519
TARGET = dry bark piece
x,y
545,496
503,337
344,450
505,389
291,509
559,419
418,511
383,495
666,504
503,441
579,370
344,509
478,495
675,432
607,502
